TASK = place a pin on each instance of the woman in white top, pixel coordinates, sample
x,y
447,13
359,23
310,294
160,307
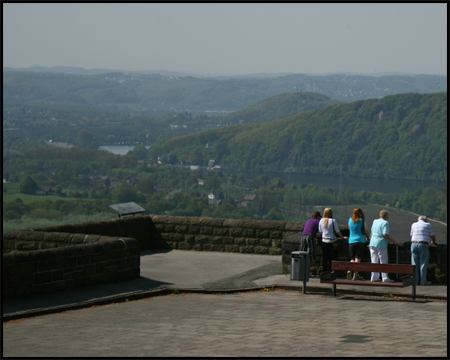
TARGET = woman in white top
x,y
327,227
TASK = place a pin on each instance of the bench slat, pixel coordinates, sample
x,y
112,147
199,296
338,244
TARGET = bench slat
x,y
364,283
370,267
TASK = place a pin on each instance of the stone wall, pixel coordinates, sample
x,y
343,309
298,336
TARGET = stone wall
x,y
240,236
57,261
140,228
188,233
206,234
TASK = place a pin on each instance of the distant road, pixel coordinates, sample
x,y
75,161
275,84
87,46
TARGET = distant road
x,y
409,212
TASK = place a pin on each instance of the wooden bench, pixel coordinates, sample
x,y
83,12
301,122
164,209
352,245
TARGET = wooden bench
x,y
408,270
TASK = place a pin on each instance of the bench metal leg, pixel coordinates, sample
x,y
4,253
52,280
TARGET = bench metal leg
x,y
414,291
334,289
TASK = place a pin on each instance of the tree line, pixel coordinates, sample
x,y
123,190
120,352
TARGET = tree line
x,y
177,192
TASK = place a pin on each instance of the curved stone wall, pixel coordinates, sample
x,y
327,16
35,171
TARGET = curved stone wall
x,y
47,268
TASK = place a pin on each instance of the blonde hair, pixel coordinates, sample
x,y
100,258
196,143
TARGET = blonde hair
x,y
383,213
327,214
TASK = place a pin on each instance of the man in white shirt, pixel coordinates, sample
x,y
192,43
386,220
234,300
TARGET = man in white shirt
x,y
421,234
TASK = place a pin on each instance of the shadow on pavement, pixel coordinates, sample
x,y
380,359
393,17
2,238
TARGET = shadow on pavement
x,y
153,252
244,280
78,294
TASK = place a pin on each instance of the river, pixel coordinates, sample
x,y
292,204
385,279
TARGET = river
x,y
342,182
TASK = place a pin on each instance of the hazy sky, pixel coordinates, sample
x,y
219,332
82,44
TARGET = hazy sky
x,y
229,38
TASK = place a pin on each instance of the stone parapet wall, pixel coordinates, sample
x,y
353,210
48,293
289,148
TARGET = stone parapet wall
x,y
140,228
27,240
184,233
204,234
104,260
227,235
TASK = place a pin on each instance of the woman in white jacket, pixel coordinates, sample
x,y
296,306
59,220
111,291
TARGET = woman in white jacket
x,y
328,227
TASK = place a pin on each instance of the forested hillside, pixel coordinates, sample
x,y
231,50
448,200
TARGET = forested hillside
x,y
398,136
156,93
279,107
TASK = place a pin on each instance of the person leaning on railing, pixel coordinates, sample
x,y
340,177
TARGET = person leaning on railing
x,y
421,233
327,228
378,245
356,240
308,238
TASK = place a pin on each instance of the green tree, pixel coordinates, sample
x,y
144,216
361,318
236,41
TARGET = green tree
x,y
274,214
146,186
129,161
212,182
277,182
105,194
196,158
11,215
84,137
140,152
28,185
240,179
16,206
172,158
125,193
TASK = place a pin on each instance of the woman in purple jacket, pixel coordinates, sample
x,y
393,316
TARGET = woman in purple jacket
x,y
308,239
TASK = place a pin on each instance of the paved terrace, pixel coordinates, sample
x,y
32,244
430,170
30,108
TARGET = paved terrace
x,y
222,309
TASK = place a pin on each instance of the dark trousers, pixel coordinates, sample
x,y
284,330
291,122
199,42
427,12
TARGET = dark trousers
x,y
329,254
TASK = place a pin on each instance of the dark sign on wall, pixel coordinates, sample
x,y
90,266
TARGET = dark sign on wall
x,y
127,208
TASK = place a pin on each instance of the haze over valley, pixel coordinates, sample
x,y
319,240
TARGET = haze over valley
x,y
238,119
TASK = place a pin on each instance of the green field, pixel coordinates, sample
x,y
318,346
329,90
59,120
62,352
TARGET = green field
x,y
11,192
29,198
10,188
29,223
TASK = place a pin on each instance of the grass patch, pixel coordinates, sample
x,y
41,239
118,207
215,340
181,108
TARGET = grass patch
x,y
29,198
11,191
28,223
10,188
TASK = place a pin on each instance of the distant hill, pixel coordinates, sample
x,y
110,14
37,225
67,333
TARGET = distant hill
x,y
279,107
161,92
75,70
399,136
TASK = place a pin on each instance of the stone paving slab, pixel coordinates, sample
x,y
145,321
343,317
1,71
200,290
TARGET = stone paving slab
x,y
266,323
